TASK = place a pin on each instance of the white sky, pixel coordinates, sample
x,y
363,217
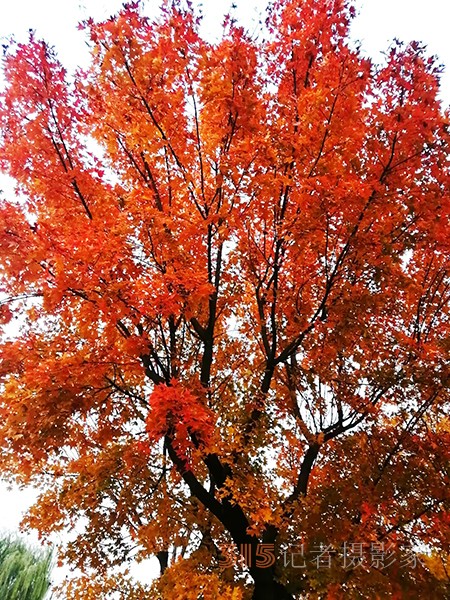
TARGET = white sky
x,y
378,22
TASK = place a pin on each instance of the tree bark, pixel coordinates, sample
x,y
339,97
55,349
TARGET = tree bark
x,y
267,588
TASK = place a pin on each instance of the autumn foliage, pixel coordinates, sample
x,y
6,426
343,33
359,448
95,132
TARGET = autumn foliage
x,y
225,291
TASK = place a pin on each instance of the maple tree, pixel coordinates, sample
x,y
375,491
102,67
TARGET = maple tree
x,y
228,273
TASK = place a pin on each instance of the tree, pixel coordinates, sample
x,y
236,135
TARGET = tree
x,y
24,572
229,270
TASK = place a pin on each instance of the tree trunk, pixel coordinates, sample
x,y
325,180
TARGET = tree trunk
x,y
267,588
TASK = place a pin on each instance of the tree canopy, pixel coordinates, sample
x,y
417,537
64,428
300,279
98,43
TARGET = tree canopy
x,y
24,571
225,290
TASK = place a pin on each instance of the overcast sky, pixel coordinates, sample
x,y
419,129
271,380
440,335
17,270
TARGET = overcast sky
x,y
378,22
